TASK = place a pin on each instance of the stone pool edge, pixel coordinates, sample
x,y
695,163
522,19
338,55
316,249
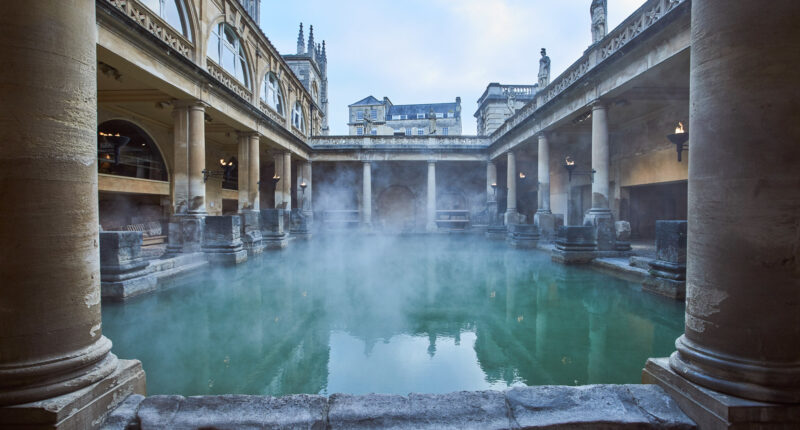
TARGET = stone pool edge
x,y
544,406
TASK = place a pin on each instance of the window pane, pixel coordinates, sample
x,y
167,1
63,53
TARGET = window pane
x,y
154,5
228,59
172,15
213,47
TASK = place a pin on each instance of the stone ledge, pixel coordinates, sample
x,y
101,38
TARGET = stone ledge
x,y
538,407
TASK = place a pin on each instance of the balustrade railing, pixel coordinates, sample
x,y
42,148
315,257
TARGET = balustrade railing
x,y
399,141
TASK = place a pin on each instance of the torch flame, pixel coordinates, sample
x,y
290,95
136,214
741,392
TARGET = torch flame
x,y
109,134
521,175
569,161
679,128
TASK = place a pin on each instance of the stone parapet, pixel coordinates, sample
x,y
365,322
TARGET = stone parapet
x,y
123,271
222,242
590,406
575,245
252,238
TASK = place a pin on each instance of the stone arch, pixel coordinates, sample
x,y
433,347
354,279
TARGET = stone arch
x,y
396,208
142,145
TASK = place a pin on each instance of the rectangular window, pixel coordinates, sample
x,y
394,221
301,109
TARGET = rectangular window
x,y
374,132
373,114
396,117
420,131
439,115
408,131
359,131
420,116
445,131
449,114
360,115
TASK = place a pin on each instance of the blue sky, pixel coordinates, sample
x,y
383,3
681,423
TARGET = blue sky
x,y
416,51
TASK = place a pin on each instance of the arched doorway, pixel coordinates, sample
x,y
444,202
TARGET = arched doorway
x,y
396,209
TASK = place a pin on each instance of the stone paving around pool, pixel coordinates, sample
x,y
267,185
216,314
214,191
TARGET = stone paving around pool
x,y
540,407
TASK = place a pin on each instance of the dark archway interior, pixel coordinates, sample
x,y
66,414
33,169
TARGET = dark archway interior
x,y
137,158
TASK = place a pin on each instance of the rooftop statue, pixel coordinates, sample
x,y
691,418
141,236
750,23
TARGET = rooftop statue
x,y
544,69
599,13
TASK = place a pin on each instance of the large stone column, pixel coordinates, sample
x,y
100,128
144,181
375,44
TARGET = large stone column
x,y
197,158
511,183
304,177
430,224
366,195
286,179
600,215
491,178
742,334
249,172
180,172
544,217
51,341
277,159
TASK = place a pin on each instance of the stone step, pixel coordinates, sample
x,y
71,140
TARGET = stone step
x,y
640,262
537,407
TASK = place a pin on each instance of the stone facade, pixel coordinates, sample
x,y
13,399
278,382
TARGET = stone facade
x,y
499,102
374,117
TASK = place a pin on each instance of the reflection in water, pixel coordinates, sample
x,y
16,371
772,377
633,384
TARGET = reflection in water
x,y
392,315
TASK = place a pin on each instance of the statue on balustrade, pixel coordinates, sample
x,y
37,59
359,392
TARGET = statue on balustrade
x,y
544,69
599,13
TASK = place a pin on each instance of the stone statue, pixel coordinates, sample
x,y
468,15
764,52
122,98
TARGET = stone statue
x,y
511,101
544,69
599,13
432,117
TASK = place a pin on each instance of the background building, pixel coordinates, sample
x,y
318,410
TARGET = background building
x,y
499,102
310,65
382,118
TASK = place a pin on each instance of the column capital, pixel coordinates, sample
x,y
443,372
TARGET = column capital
x,y
543,135
598,104
191,104
247,133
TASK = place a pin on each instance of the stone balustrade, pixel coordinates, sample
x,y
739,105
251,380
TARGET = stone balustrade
x,y
645,17
433,142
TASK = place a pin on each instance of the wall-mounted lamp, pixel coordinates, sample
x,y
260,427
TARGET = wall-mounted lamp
x,y
303,186
494,189
522,175
275,180
569,164
679,138
225,173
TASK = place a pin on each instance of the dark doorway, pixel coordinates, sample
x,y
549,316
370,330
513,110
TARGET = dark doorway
x,y
649,203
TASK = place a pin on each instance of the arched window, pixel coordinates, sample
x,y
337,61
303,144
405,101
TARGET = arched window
x,y
271,93
298,118
123,149
174,12
225,47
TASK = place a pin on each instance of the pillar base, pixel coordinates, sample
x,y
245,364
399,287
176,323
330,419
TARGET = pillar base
x,y
713,410
605,231
665,287
496,232
275,241
546,222
82,409
523,236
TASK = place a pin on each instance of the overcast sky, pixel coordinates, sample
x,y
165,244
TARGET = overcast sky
x,y
430,51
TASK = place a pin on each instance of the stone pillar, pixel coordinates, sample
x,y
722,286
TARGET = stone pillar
x,y
600,216
278,160
249,173
286,180
430,225
543,218
366,195
197,158
491,178
51,340
511,183
743,272
307,203
254,171
180,171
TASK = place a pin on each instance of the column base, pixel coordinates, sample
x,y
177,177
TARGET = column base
x,y
713,410
513,217
546,222
496,232
275,241
603,222
523,236
86,408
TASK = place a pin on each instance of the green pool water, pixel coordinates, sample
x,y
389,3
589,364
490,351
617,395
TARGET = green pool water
x,y
391,315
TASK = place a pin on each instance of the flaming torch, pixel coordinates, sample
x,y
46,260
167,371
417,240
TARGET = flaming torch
x,y
679,138
569,164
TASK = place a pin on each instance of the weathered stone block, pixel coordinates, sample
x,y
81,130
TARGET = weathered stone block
x,y
124,416
300,224
546,222
123,271
233,412
523,235
222,240
272,222
460,410
671,241
622,230
605,231
574,245
595,406
252,238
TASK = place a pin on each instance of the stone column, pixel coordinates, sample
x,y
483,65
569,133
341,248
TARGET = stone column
x,y
197,158
180,172
543,218
51,340
366,195
511,183
491,178
286,179
278,160
600,216
244,172
430,225
308,206
254,171
743,269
